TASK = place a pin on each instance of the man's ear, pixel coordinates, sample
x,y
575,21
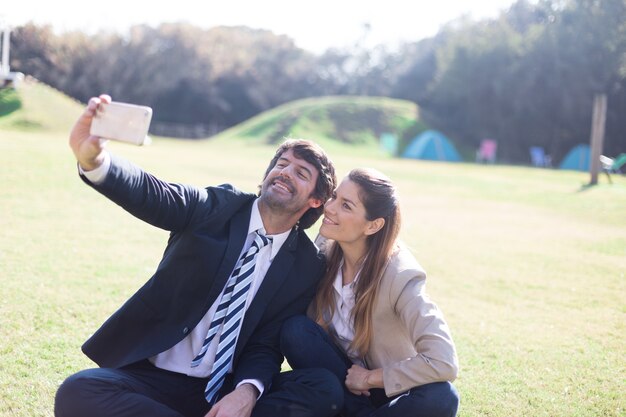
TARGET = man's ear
x,y
315,202
374,226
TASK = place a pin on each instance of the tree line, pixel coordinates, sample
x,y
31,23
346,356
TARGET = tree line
x,y
526,78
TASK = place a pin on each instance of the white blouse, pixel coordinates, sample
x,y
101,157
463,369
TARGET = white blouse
x,y
342,323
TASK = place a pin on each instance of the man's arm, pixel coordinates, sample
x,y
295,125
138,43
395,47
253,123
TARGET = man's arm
x,y
261,358
261,361
168,206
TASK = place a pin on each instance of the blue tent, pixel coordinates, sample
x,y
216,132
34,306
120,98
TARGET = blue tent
x,y
433,146
579,158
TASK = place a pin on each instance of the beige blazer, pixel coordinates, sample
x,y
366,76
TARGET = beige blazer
x,y
411,340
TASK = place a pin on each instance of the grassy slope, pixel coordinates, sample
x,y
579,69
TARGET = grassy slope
x,y
330,121
527,265
42,108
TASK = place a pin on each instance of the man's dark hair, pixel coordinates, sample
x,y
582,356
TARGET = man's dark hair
x,y
326,179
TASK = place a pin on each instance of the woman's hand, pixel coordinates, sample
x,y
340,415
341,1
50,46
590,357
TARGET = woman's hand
x,y
360,380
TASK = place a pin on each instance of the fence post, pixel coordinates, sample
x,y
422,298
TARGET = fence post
x,y
597,135
5,33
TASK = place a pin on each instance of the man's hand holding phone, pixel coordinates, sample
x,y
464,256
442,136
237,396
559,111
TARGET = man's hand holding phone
x,y
104,119
88,149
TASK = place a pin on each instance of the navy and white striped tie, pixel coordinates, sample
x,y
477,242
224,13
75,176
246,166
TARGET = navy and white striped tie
x,y
228,317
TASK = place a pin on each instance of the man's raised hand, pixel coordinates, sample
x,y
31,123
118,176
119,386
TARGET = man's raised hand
x,y
88,149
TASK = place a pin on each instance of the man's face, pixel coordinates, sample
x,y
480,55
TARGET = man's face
x,y
289,185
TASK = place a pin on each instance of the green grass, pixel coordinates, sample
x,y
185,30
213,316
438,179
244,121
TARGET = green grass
x,y
528,269
37,107
528,265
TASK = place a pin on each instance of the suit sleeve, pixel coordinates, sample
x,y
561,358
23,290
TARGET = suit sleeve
x,y
262,358
436,358
161,204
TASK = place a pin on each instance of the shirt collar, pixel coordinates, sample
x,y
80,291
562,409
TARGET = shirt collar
x,y
338,283
256,223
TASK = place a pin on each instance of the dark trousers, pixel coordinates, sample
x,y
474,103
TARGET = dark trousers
x,y
142,390
307,346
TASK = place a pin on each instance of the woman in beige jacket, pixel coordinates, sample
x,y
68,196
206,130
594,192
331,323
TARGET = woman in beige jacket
x,y
372,323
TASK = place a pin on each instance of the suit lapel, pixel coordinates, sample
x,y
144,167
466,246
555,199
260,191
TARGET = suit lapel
x,y
237,237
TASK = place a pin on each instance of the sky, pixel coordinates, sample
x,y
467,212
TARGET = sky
x,y
313,25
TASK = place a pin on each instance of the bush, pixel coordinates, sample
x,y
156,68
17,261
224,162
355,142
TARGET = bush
x,y
9,101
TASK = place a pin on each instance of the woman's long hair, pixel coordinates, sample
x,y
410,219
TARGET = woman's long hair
x,y
380,200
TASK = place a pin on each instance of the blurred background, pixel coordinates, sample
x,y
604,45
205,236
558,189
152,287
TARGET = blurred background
x,y
523,74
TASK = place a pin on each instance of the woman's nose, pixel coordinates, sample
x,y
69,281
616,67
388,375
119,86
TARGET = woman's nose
x,y
330,206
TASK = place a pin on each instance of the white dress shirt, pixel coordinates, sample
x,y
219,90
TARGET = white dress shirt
x,y
178,358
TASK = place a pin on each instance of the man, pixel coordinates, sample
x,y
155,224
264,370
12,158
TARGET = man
x,y
201,337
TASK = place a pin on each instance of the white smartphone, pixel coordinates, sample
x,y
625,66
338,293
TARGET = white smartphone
x,y
122,122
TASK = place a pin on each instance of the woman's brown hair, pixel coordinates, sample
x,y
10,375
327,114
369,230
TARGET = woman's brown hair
x,y
380,200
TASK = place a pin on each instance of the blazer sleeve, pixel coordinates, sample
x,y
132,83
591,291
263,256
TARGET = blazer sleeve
x,y
436,358
165,205
262,357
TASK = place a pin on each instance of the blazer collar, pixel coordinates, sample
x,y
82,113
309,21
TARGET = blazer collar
x,y
236,239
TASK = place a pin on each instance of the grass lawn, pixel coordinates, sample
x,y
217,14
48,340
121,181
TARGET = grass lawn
x,y
527,265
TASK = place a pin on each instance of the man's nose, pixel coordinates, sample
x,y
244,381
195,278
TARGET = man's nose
x,y
286,171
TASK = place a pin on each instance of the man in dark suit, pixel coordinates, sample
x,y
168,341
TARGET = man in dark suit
x,y
177,347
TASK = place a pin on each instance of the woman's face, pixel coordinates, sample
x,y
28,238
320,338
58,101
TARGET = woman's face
x,y
344,215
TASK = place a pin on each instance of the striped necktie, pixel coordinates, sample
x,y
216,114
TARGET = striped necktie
x,y
228,317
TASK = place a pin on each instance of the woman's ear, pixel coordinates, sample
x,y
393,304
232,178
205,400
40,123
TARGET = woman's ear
x,y
374,226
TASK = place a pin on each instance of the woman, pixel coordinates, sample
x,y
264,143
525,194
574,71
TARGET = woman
x,y
371,322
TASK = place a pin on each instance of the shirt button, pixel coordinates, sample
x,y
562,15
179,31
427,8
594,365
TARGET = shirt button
x,y
186,330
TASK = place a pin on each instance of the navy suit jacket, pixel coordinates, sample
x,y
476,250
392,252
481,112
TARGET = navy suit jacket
x,y
208,230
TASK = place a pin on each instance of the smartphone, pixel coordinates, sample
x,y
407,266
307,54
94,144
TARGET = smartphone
x,y
122,122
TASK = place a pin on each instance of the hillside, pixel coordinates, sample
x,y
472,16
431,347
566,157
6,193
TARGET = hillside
x,y
346,119
332,121
37,106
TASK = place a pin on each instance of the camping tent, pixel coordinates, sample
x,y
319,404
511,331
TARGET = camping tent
x,y
431,145
579,158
